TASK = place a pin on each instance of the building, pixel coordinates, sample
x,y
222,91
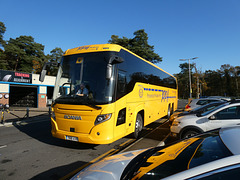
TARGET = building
x,y
25,90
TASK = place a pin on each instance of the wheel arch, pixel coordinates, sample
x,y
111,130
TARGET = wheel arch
x,y
188,128
140,110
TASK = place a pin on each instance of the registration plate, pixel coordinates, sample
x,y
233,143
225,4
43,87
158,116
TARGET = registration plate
x,y
71,138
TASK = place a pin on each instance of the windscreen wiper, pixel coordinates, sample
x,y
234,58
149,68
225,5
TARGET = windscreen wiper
x,y
93,106
77,100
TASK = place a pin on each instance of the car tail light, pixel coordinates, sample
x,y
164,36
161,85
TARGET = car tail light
x,y
187,106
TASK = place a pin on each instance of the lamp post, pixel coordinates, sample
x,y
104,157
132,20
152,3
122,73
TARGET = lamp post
x,y
189,70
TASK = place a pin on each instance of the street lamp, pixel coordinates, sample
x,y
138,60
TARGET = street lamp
x,y
189,70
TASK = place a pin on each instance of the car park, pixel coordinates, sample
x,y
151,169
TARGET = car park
x,y
215,151
200,109
224,115
194,103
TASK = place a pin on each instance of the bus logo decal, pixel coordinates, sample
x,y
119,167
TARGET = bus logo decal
x,y
140,92
164,97
72,117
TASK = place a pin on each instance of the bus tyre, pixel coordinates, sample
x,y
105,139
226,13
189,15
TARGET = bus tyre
x,y
138,126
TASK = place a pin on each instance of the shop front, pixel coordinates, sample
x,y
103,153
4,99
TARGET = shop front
x,y
19,89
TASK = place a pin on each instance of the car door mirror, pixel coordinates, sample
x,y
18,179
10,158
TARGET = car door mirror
x,y
212,117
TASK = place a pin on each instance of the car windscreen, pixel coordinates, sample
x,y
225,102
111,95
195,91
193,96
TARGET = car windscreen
x,y
181,156
212,110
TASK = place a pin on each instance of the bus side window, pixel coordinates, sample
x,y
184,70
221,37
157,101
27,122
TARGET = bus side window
x,y
121,84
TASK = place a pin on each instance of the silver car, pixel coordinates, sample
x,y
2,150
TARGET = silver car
x,y
215,153
194,103
200,109
224,115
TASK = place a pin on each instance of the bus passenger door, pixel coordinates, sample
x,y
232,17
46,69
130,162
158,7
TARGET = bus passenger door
x,y
120,105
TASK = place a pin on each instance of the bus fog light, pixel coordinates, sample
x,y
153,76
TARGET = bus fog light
x,y
102,118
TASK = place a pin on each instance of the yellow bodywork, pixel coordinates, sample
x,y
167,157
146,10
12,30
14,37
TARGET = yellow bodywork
x,y
154,105
167,154
153,101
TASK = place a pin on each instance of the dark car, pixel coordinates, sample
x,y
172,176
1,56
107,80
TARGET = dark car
x,y
212,155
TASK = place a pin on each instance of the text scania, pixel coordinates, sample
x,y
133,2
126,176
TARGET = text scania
x,y
72,117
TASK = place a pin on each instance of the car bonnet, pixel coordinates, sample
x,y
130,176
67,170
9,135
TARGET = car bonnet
x,y
110,168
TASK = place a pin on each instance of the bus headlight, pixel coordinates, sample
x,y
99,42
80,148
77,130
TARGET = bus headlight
x,y
102,118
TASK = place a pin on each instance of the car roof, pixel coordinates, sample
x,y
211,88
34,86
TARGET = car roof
x,y
211,98
205,168
212,104
193,101
230,137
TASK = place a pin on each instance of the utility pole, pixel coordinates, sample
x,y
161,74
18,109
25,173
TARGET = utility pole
x,y
197,76
189,70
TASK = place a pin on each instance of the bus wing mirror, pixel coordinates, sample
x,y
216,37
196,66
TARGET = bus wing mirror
x,y
42,75
112,60
109,71
44,70
115,60
61,90
56,64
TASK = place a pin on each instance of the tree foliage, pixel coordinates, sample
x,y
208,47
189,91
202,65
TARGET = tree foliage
x,y
2,31
26,55
22,52
3,62
222,82
54,56
139,45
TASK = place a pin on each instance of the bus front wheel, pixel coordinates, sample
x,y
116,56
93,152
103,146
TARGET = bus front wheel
x,y
138,126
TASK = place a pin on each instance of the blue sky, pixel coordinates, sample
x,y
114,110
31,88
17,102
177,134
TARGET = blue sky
x,y
178,29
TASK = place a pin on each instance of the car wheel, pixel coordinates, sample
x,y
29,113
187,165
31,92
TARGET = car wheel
x,y
189,134
138,126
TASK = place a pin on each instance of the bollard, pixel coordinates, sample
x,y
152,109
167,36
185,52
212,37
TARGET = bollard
x,y
27,114
2,117
49,111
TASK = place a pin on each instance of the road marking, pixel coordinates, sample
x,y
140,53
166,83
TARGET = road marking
x,y
128,144
162,143
68,176
109,153
4,146
6,125
22,123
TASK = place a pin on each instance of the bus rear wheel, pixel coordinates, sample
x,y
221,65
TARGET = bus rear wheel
x,y
138,126
169,113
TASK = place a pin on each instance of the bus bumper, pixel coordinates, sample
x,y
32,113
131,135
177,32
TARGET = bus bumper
x,y
94,137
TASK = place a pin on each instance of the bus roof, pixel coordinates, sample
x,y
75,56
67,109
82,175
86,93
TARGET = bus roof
x,y
93,48
104,47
